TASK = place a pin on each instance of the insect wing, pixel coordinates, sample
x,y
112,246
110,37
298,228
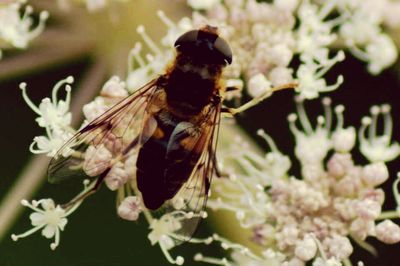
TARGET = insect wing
x,y
97,147
193,149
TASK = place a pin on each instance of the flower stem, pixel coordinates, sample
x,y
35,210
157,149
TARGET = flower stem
x,y
389,215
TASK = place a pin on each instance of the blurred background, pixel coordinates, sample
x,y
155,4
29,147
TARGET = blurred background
x,y
95,235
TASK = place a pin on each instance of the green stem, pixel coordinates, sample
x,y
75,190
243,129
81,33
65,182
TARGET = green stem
x,y
368,247
347,262
389,215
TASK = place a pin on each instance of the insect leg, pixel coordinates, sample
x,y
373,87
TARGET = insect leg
x,y
259,99
218,172
96,186
230,88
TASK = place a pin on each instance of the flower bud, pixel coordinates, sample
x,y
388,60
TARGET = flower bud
x,y
117,177
114,88
368,209
388,232
97,160
130,208
339,246
339,164
306,249
344,139
258,85
375,174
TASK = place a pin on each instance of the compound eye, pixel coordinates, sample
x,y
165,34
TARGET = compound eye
x,y
186,38
224,49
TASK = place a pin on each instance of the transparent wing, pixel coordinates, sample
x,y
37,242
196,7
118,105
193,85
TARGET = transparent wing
x,y
104,142
193,149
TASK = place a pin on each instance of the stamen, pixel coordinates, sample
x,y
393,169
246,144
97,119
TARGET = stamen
x,y
328,112
326,9
339,116
165,19
268,139
375,110
28,11
44,15
148,41
27,233
210,260
387,121
134,54
330,63
292,118
22,86
333,87
26,203
304,121
320,122
68,80
68,96
365,122
56,242
357,52
179,259
396,192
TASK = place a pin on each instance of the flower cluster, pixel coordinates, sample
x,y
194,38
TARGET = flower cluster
x,y
54,116
291,220
264,40
102,153
91,5
335,199
362,31
17,31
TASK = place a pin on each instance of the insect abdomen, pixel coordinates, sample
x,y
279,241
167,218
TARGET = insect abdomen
x,y
162,172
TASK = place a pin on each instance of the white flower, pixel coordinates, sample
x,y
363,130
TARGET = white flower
x,y
306,249
141,71
381,53
94,5
259,85
94,109
16,30
310,76
343,139
378,148
362,32
375,174
51,143
97,160
91,5
162,229
280,76
388,232
114,88
339,247
362,228
202,4
286,4
339,164
53,113
117,177
130,208
368,209
51,218
330,262
312,145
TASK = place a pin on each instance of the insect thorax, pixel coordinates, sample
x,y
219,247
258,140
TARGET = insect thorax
x,y
190,86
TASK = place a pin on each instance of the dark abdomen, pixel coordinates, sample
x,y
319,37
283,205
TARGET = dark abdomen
x,y
162,171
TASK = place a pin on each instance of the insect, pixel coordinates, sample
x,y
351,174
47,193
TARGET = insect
x,y
169,127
